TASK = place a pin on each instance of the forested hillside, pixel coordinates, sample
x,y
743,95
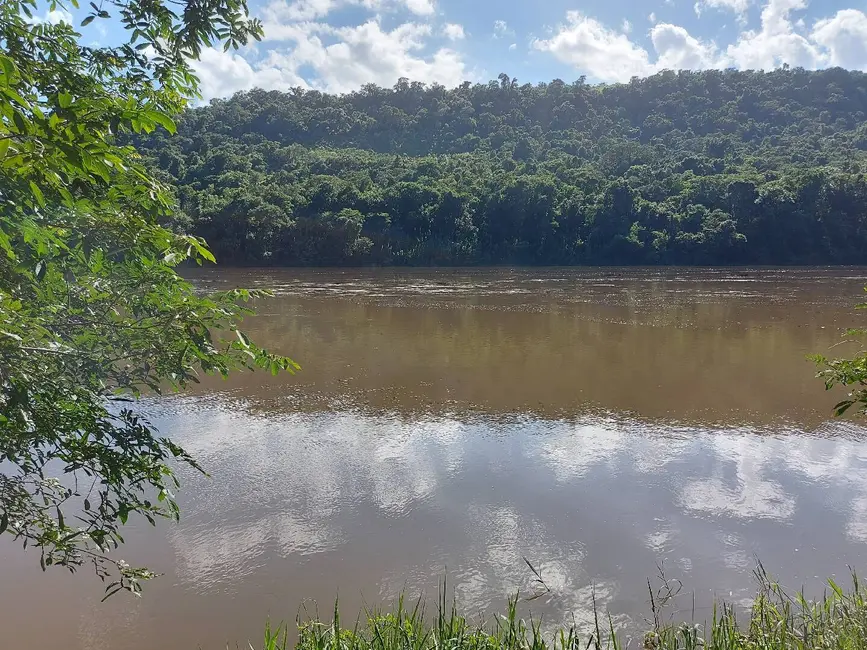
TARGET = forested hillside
x,y
713,167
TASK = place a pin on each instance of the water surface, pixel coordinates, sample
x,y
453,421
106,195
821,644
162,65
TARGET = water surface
x,y
598,422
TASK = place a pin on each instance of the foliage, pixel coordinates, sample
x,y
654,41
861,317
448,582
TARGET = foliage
x,y
92,311
777,621
848,372
712,167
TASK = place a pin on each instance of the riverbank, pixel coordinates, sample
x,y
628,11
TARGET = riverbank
x,y
778,619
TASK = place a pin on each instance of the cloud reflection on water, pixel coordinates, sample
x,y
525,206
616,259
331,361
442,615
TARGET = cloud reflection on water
x,y
597,501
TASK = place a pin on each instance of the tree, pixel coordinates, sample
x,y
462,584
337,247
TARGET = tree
x,y
92,309
715,168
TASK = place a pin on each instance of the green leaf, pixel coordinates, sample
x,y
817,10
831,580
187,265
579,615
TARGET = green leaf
x,y
163,120
201,249
4,522
87,21
37,194
64,100
67,196
842,407
6,244
110,591
8,66
20,123
18,99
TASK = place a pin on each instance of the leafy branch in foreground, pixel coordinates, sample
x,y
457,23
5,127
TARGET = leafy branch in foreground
x,y
849,372
92,310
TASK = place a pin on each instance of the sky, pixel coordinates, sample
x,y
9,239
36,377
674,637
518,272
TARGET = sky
x,y
339,45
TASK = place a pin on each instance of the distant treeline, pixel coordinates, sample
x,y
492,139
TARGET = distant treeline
x,y
714,167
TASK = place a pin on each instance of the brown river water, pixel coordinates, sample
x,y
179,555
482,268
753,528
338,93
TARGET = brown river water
x,y
597,422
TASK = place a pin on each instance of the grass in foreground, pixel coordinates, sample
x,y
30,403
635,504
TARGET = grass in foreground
x,y
777,620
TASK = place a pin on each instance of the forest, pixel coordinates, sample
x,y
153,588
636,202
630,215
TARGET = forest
x,y
712,167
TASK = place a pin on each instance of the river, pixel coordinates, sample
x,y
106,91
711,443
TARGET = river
x,y
600,423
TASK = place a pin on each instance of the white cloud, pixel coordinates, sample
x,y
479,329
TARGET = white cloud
x,y
369,54
225,73
453,31
844,38
739,7
278,11
303,50
281,10
501,29
291,31
776,42
53,17
58,16
362,54
608,55
588,45
652,18
678,50
421,7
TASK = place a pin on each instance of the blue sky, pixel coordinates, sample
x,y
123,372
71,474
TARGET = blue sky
x,y
339,45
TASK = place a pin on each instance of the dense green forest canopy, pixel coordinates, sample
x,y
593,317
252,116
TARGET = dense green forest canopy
x,y
713,167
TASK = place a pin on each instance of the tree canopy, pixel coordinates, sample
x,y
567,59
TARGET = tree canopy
x,y
712,167
92,311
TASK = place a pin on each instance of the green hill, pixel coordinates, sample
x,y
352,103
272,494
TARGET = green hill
x,y
714,167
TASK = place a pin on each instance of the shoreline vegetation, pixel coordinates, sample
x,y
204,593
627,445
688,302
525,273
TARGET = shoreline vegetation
x,y
778,619
689,168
